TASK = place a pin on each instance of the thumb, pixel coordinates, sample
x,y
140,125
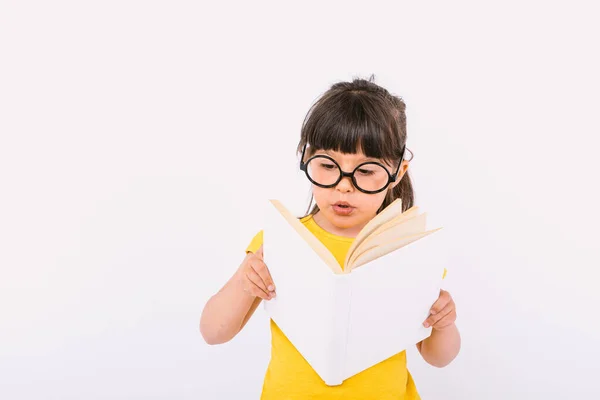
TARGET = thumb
x,y
259,252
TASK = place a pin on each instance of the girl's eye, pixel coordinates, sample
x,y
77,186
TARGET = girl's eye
x,y
327,166
366,171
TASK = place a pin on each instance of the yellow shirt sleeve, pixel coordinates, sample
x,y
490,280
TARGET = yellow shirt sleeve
x,y
255,243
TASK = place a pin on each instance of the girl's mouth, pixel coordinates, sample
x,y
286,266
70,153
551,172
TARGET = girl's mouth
x,y
342,208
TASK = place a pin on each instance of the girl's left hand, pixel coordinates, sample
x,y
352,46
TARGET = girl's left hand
x,y
443,312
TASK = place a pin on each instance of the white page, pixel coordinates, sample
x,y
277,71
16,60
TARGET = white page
x,y
390,299
304,308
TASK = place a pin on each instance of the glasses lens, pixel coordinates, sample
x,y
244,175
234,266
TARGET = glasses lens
x,y
323,171
371,177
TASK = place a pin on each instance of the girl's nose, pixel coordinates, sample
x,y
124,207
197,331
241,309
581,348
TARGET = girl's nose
x,y
345,185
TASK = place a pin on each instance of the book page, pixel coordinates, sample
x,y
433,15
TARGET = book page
x,y
411,212
392,246
390,212
406,227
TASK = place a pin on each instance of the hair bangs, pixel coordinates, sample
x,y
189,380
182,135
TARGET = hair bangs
x,y
353,122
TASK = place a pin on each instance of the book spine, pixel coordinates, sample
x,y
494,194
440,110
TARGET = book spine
x,y
342,299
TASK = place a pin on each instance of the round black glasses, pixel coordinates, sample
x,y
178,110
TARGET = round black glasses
x,y
369,177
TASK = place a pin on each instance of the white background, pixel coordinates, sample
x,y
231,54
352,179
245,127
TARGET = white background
x,y
139,140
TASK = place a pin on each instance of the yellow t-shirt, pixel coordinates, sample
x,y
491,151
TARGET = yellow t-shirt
x,y
290,377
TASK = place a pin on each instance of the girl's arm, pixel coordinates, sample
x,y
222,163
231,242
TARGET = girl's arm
x,y
228,311
443,345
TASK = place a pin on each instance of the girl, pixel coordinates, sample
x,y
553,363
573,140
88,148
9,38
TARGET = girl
x,y
353,144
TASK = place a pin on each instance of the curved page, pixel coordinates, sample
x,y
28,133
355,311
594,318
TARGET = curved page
x,y
411,226
392,246
388,213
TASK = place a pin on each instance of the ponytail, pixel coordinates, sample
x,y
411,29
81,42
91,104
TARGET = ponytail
x,y
403,190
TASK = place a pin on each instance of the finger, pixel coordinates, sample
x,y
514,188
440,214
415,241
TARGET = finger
x,y
256,292
262,270
259,252
256,285
445,322
441,302
434,318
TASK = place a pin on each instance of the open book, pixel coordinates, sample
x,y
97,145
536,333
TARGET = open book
x,y
345,320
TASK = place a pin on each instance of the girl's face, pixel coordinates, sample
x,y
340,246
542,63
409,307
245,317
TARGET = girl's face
x,y
362,206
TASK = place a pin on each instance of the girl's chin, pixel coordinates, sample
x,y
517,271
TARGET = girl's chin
x,y
344,220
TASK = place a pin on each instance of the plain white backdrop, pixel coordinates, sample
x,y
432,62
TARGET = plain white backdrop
x,y
139,141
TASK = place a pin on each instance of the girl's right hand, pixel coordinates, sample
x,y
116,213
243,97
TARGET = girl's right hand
x,y
255,276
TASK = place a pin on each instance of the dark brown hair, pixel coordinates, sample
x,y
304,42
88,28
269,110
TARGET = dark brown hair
x,y
360,115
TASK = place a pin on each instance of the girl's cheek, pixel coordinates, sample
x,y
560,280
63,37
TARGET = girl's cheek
x,y
371,202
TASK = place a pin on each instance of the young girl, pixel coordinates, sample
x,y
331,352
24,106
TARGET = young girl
x,y
353,143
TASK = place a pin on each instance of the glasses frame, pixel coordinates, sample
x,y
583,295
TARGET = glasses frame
x,y
391,178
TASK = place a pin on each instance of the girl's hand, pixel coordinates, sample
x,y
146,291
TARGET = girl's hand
x,y
443,312
255,276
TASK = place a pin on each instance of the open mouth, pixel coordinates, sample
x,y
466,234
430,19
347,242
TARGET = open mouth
x,y
343,204
342,208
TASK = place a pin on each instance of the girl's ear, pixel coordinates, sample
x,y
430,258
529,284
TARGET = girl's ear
x,y
401,172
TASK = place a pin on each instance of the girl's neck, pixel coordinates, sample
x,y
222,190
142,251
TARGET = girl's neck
x,y
324,223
